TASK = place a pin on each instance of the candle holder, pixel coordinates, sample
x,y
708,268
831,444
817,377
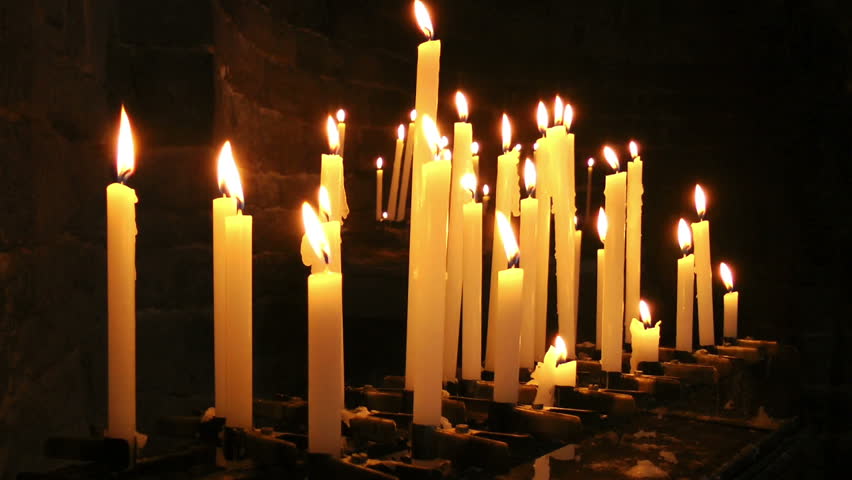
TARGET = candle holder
x,y
423,440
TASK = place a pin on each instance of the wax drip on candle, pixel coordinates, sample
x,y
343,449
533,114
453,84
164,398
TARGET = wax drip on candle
x,y
125,153
684,237
529,177
316,234
229,176
611,157
333,135
423,19
510,245
727,277
700,202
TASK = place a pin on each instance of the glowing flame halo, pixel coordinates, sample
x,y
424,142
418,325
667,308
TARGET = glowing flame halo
x,y
424,20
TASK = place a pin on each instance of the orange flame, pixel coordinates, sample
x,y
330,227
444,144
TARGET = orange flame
x,y
684,236
603,225
341,116
413,115
541,117
423,19
507,133
634,149
324,202
611,157
431,134
400,132
468,182
558,111
474,148
315,233
568,116
461,106
125,154
590,162
229,177
333,135
379,163
507,235
700,201
561,348
485,190
727,276
645,313
529,176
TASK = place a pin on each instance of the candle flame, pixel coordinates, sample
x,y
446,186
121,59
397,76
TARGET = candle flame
x,y
125,154
611,157
568,116
400,132
645,313
507,133
634,149
229,176
529,176
507,236
315,233
558,111
590,162
324,202
485,190
727,276
684,236
474,148
384,215
700,201
444,142
379,163
341,116
423,18
431,134
333,135
541,117
535,147
413,115
468,182
446,154
575,221
603,225
461,106
561,348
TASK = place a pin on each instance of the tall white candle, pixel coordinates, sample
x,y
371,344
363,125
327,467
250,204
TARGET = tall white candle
x,y
222,207
732,300
633,258
508,314
685,289
578,242
431,284
472,287
508,198
408,157
703,271
542,249
646,338
397,166
238,286
331,173
121,293
426,104
612,325
529,242
462,134
602,228
325,345
379,187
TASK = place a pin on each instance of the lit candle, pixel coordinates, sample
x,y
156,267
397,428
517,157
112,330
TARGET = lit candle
x,y
613,305
486,196
633,257
560,146
732,300
331,173
472,285
406,170
426,104
508,197
397,166
602,228
341,130
529,241
238,292
325,345
121,293
462,134
553,371
507,315
703,270
542,249
379,186
474,150
222,207
646,338
685,288
590,166
431,283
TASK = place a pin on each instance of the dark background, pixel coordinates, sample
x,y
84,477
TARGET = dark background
x,y
751,100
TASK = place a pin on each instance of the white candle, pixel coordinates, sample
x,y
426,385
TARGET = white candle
x,y
550,373
397,166
379,186
508,198
462,134
561,157
591,165
633,258
121,294
611,336
406,170
508,315
578,241
325,345
472,286
646,339
331,173
426,104
474,150
431,284
703,271
602,227
542,249
222,207
529,242
685,288
238,289
732,300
